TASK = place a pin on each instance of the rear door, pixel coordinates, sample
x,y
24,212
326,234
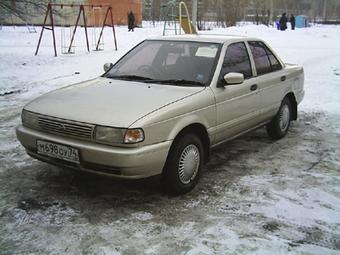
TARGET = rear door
x,y
236,105
270,79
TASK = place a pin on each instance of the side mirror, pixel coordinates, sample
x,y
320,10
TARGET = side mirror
x,y
232,79
107,66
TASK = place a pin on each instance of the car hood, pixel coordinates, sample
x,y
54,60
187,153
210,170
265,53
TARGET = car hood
x,y
108,102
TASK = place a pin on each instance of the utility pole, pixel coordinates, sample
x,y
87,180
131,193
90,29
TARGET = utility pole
x,y
271,10
194,13
324,10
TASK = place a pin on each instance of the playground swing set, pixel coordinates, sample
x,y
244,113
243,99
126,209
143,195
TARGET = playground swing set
x,y
97,41
67,39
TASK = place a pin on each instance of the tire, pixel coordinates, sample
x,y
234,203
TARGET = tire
x,y
279,125
183,166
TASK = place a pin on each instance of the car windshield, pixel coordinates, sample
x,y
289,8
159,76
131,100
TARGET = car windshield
x,y
179,63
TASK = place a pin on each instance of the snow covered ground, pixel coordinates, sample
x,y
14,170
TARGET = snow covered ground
x,y
256,196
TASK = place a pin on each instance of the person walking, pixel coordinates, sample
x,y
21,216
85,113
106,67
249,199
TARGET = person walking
x,y
283,22
292,21
131,21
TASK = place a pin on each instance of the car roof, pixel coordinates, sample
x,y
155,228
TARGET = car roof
x,y
211,38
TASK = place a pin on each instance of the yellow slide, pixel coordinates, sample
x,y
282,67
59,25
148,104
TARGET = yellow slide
x,y
185,22
187,26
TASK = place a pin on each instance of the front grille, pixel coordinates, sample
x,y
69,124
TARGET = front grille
x,y
66,128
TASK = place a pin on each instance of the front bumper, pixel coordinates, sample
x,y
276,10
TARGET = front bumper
x,y
299,96
132,163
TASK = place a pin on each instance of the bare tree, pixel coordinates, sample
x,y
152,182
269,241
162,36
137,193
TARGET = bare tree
x,y
22,9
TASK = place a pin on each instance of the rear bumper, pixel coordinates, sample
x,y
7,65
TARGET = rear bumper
x,y
131,163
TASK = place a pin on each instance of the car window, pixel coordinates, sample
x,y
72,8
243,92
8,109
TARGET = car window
x,y
142,57
236,60
169,60
265,60
261,58
273,60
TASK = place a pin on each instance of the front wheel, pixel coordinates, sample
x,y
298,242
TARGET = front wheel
x,y
183,165
279,125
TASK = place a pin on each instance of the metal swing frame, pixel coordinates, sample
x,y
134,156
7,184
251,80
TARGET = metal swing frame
x,y
170,16
49,13
95,45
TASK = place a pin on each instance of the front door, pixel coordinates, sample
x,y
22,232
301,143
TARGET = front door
x,y
236,105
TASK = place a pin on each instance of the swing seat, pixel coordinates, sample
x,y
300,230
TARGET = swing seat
x,y
31,29
65,40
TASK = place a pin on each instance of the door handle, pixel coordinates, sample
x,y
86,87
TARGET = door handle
x,y
283,78
253,87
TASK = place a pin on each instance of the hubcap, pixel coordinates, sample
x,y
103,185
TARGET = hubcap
x,y
284,118
189,163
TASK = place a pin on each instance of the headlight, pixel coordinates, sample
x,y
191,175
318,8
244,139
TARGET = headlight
x,y
111,135
29,119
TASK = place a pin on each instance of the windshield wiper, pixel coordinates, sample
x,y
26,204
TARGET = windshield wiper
x,y
149,80
130,77
177,82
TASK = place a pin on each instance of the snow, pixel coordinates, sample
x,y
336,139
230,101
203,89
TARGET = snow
x,y
256,196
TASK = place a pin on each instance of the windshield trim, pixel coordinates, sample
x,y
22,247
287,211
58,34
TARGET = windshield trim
x,y
217,57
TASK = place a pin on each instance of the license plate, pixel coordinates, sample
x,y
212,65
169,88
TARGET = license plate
x,y
58,151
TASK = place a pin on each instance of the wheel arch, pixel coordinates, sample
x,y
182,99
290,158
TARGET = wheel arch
x,y
293,103
201,132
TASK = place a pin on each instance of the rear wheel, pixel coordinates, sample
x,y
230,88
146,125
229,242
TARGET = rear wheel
x,y
279,125
183,166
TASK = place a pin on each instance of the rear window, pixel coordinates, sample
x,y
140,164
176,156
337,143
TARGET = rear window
x,y
273,61
265,61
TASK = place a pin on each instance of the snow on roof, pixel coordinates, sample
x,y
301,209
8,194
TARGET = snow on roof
x,y
215,38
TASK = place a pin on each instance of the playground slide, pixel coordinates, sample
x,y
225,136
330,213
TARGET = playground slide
x,y
184,20
187,26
